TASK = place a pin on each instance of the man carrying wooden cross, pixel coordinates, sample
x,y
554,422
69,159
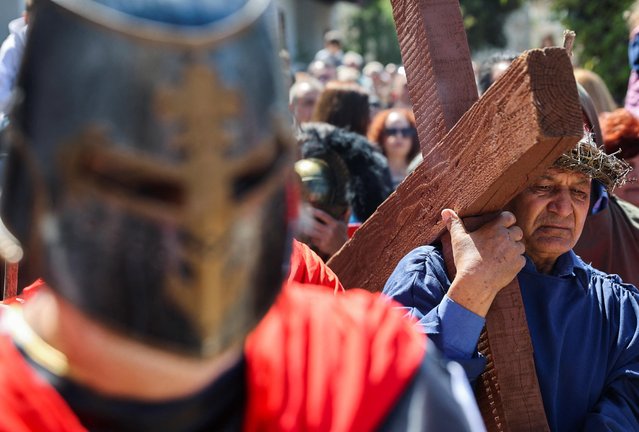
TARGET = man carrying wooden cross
x,y
584,324
477,158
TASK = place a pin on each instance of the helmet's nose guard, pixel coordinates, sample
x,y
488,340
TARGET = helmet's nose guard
x,y
158,206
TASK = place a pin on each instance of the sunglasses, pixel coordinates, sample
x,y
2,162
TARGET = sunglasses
x,y
405,132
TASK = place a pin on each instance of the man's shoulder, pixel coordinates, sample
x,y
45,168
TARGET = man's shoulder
x,y
422,264
610,281
28,402
313,345
343,312
420,257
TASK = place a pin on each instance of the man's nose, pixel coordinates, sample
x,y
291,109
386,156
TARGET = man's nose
x,y
561,204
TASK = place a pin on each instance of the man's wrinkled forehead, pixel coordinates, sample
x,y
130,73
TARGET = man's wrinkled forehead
x,y
554,174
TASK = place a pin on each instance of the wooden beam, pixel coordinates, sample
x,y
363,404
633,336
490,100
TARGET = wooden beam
x,y
435,53
522,124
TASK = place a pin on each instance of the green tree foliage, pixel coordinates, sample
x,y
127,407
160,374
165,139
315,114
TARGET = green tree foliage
x,y
484,21
372,30
602,38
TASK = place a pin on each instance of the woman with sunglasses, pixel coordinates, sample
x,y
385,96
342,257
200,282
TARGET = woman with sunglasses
x,y
393,131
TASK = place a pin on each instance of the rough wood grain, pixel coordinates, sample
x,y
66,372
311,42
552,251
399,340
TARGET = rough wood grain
x,y
507,345
441,82
519,127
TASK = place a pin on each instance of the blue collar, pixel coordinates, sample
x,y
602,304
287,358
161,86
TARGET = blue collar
x,y
567,266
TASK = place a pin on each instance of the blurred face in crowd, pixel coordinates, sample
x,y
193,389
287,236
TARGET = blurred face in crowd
x,y
322,71
400,91
304,103
630,191
551,213
398,140
498,70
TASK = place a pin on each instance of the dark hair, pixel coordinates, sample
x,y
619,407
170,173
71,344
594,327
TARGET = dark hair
x,y
485,74
370,177
333,37
377,130
344,105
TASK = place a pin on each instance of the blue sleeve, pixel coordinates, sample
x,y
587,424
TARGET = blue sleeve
x,y
420,283
618,406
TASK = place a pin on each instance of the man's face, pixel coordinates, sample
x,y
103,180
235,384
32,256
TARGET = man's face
x,y
630,191
551,213
304,104
323,72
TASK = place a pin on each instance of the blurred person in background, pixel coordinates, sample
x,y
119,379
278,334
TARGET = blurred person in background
x,y
11,55
302,98
325,204
610,237
376,80
322,71
391,69
631,102
345,105
332,52
348,74
620,131
353,59
596,88
492,68
399,95
548,41
368,182
394,132
287,70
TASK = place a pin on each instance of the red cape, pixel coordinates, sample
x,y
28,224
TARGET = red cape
x,y
316,362
320,362
28,403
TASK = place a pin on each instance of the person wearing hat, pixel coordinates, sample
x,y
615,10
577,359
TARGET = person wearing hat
x,y
149,184
583,323
332,52
344,180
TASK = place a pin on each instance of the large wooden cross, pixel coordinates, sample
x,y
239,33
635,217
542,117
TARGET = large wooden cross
x,y
477,157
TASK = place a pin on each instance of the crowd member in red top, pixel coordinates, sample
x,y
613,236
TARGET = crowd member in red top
x,y
146,183
308,268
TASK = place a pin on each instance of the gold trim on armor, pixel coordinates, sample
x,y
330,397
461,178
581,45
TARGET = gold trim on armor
x,y
34,346
152,31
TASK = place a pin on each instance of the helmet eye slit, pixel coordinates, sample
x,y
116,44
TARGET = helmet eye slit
x,y
93,167
258,167
130,181
244,184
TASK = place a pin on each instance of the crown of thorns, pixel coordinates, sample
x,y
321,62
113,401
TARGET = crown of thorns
x,y
591,160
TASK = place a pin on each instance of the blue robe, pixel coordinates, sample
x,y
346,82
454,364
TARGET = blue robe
x,y
583,325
